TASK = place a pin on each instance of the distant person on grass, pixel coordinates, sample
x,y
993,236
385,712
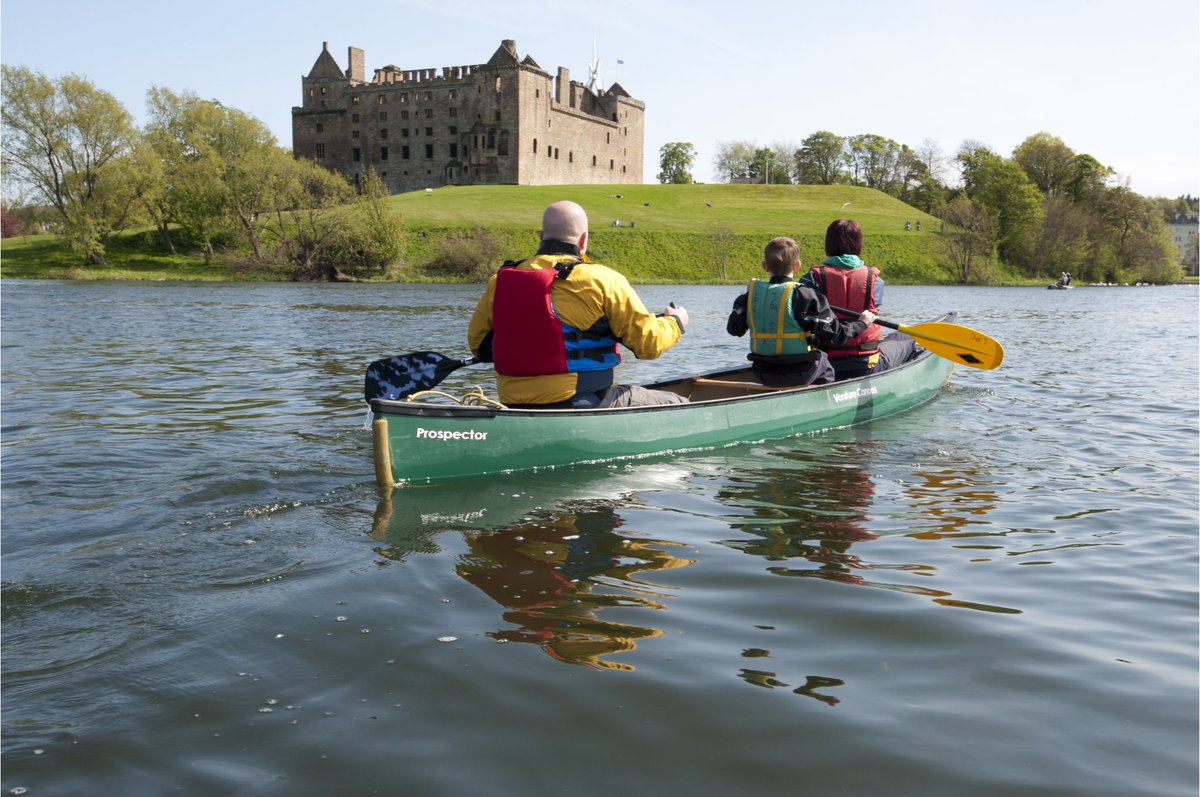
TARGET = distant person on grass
x,y
551,324
785,318
847,282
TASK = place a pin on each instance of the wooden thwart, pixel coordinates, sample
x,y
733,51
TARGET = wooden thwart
x,y
737,385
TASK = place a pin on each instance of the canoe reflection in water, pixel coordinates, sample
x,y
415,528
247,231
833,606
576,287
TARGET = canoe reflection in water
x,y
815,506
555,574
553,570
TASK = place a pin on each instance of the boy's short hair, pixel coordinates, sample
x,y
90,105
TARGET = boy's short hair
x,y
780,256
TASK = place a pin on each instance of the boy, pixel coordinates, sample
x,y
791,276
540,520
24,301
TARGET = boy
x,y
784,319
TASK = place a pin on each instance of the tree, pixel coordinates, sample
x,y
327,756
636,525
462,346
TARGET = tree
x,y
968,238
1048,161
307,218
376,231
872,160
1088,179
64,140
767,165
675,159
1006,191
1138,239
819,159
733,159
722,240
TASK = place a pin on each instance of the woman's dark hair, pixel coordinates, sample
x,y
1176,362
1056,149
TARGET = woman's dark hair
x,y
844,237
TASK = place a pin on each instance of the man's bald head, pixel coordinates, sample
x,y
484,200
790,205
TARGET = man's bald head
x,y
565,221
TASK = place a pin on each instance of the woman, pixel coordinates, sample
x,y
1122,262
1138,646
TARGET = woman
x,y
849,283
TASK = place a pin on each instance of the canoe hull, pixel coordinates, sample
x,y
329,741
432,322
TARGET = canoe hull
x,y
423,442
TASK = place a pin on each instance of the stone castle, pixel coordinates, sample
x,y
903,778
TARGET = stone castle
x,y
504,122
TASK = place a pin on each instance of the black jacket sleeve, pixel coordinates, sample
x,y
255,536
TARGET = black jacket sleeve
x,y
812,311
737,325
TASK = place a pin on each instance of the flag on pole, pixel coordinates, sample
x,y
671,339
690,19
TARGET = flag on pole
x,y
619,61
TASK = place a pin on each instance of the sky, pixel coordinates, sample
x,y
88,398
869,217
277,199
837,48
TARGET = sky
x,y
1115,79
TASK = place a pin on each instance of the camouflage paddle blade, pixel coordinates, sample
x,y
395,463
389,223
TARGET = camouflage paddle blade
x,y
405,374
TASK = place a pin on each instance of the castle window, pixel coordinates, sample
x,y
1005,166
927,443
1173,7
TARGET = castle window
x,y
404,133
383,116
354,100
502,147
548,123
454,112
498,86
570,157
404,114
322,91
357,155
382,99
320,127
404,153
593,160
453,94
497,116
429,95
404,97
535,146
321,151
383,132
383,153
454,150
556,153
429,150
453,130
428,113
353,134
429,131
491,139
354,118
608,138
611,164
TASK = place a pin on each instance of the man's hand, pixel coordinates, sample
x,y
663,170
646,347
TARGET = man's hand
x,y
867,317
680,314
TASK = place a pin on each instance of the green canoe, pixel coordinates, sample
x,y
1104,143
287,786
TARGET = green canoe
x,y
428,441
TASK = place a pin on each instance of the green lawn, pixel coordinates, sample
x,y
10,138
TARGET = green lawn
x,y
767,210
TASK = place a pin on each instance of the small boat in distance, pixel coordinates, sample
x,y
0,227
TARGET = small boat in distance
x,y
425,439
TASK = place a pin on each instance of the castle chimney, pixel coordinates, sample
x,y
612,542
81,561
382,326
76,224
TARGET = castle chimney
x,y
356,70
562,86
510,45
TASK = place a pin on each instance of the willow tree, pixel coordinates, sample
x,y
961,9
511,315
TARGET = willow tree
x,y
73,146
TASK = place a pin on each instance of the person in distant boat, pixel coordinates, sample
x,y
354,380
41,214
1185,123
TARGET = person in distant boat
x,y
550,324
1064,279
784,319
847,282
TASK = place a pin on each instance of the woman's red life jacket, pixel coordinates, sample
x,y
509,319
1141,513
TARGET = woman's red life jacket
x,y
853,289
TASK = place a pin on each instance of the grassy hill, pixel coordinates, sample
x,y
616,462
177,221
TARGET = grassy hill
x,y
681,233
668,233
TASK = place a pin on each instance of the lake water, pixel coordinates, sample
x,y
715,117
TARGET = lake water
x,y
204,594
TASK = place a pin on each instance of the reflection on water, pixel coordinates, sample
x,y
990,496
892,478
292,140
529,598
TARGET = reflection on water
x,y
552,574
819,504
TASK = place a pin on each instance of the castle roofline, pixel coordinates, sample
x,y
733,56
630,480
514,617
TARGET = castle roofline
x,y
325,68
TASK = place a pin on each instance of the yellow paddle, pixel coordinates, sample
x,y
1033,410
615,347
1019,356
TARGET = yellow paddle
x,y
955,342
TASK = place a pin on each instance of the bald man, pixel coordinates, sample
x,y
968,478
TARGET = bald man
x,y
551,324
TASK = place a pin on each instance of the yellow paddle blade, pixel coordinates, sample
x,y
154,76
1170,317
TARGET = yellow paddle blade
x,y
957,343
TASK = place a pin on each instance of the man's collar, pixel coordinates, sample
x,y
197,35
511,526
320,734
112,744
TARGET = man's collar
x,y
552,247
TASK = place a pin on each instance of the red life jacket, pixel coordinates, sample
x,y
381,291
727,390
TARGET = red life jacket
x,y
529,339
853,289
